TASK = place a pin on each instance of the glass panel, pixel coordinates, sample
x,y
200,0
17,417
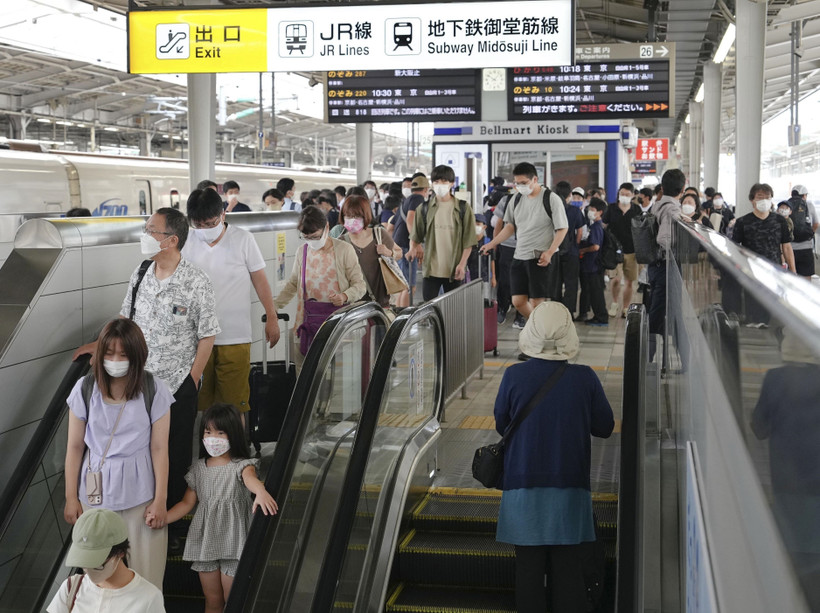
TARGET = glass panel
x,y
143,200
409,400
578,170
303,529
740,356
505,161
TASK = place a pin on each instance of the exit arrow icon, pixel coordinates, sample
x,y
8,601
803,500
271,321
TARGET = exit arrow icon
x,y
663,51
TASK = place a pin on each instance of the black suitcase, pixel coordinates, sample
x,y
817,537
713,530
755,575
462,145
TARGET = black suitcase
x,y
272,385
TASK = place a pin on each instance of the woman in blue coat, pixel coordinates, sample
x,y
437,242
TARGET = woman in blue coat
x,y
546,506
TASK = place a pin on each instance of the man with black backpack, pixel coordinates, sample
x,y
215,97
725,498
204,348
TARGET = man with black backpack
x,y
805,226
538,219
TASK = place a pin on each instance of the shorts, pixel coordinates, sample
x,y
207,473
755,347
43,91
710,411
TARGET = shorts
x,y
628,270
226,567
225,378
804,262
529,279
408,269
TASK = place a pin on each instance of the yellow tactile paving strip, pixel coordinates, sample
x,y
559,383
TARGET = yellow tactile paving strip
x,y
487,422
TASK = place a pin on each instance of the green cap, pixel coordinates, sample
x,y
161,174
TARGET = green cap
x,y
94,534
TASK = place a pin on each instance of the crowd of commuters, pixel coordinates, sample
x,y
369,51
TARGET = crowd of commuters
x,y
182,340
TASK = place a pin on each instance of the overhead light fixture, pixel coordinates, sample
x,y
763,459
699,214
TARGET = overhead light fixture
x,y
699,95
686,121
111,129
44,120
725,44
64,123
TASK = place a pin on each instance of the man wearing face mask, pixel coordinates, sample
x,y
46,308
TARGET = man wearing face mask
x,y
539,234
175,308
761,231
100,547
371,192
232,204
446,226
618,219
234,263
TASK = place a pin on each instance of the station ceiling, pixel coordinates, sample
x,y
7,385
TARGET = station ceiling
x,y
696,26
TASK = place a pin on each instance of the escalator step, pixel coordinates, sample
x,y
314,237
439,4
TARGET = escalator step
x,y
428,599
180,580
465,513
459,558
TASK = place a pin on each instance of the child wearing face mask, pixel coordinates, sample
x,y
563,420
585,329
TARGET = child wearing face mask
x,y
100,547
117,449
222,482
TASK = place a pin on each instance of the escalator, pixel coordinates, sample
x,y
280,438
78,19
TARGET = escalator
x,y
333,381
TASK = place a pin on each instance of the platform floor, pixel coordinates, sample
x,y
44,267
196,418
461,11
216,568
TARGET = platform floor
x,y
468,422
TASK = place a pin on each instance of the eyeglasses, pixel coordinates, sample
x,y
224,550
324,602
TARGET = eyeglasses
x,y
311,237
147,230
204,225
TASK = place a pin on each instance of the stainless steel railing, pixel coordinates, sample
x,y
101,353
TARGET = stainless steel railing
x,y
463,316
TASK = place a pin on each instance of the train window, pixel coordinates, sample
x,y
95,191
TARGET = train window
x,y
143,200
174,199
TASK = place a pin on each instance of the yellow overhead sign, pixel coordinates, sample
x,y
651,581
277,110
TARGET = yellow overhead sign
x,y
191,41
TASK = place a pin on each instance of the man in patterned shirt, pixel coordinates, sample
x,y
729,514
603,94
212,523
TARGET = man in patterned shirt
x,y
175,308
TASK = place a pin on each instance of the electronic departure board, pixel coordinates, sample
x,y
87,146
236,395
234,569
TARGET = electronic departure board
x,y
364,96
592,90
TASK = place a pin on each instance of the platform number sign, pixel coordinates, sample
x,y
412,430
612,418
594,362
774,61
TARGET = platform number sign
x,y
647,52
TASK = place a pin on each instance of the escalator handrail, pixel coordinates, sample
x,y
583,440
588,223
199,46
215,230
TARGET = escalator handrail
x,y
342,526
632,435
779,292
35,451
290,437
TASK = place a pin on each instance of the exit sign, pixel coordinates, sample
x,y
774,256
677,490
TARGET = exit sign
x,y
650,149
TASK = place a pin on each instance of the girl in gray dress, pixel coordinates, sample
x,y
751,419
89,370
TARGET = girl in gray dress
x,y
222,481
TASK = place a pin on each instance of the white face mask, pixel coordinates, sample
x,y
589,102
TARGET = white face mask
x,y
718,202
784,212
370,193
591,215
317,243
233,197
625,200
479,230
763,205
108,569
441,189
116,368
524,190
149,246
209,235
406,192
383,195
216,446
687,209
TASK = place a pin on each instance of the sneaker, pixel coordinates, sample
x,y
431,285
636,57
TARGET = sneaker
x,y
519,323
581,318
623,315
596,322
523,357
613,309
502,315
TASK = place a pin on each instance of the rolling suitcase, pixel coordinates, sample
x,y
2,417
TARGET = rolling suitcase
x,y
490,311
272,385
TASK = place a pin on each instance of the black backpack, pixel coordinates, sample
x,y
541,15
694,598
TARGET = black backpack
x,y
800,217
612,252
564,247
645,237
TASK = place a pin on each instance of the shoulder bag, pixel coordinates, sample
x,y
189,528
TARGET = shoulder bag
x,y
488,461
315,313
393,277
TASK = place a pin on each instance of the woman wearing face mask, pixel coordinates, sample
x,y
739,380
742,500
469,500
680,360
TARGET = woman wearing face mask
x,y
370,244
721,215
325,275
117,452
100,547
690,207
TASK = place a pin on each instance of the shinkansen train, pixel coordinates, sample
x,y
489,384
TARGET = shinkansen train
x,y
51,182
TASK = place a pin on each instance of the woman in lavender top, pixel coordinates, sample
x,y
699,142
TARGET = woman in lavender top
x,y
123,435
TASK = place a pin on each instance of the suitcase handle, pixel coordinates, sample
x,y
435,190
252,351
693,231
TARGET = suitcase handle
x,y
286,318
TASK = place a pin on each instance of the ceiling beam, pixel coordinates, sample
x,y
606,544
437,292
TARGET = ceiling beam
x,y
83,86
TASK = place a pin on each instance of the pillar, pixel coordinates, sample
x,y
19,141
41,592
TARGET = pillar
x,y
364,151
695,140
750,48
201,127
712,93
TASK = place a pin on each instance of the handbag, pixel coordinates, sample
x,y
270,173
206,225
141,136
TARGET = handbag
x,y
315,313
93,479
488,461
393,277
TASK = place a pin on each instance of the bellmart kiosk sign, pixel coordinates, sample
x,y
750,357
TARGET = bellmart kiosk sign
x,y
353,37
